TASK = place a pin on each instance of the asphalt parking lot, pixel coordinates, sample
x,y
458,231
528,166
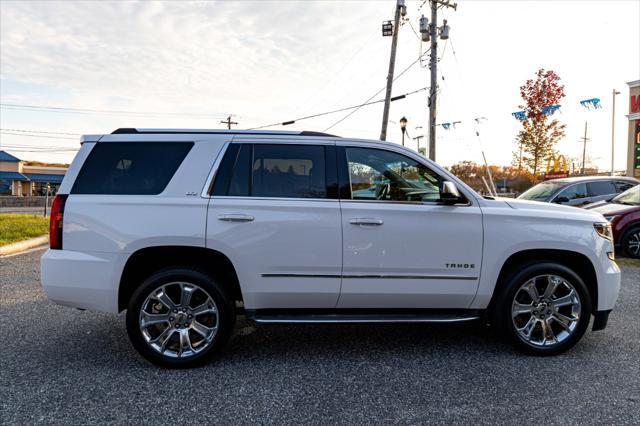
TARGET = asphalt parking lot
x,y
65,366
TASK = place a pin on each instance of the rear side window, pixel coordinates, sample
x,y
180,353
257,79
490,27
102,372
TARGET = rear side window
x,y
277,170
130,168
623,186
601,188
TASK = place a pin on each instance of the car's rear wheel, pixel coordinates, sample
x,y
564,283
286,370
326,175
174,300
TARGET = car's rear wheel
x,y
179,318
545,309
630,242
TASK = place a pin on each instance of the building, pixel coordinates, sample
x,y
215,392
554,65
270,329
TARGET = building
x,y
633,153
17,178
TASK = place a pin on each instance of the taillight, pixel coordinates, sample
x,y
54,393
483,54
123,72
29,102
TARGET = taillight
x,y
55,222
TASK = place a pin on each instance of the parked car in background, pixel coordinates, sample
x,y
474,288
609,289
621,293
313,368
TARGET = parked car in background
x,y
579,191
623,211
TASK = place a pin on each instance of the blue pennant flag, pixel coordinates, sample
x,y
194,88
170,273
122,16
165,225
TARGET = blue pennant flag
x,y
520,115
549,110
591,103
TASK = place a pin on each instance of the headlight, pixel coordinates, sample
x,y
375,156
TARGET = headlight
x,y
604,230
611,218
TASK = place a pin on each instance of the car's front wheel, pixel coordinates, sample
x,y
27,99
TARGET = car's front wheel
x,y
630,242
179,318
545,309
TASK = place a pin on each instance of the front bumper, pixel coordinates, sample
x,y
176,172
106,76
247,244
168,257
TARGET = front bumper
x,y
608,285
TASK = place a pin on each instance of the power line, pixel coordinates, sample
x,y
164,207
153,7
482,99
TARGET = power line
x,y
376,94
40,131
24,107
35,136
286,123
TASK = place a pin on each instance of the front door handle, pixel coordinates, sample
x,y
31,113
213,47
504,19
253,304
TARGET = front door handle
x,y
236,217
366,221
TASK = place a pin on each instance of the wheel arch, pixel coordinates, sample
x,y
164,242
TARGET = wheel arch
x,y
146,261
577,262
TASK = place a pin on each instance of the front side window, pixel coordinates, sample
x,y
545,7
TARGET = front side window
x,y
273,170
376,174
574,192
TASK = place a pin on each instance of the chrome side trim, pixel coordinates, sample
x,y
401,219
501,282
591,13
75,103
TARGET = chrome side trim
x,y
300,276
361,320
405,277
414,277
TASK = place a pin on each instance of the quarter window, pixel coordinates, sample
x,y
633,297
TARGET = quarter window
x,y
387,176
136,168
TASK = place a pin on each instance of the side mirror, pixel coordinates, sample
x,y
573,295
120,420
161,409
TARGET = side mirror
x,y
561,200
449,193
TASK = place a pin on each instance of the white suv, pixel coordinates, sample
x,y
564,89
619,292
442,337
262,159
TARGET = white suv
x,y
186,228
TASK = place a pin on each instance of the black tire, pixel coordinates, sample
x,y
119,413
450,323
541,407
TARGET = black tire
x,y
224,318
629,236
503,311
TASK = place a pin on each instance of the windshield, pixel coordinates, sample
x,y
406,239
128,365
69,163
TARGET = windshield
x,y
630,197
541,191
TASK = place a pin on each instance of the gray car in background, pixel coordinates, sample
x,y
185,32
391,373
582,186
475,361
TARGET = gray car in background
x,y
578,191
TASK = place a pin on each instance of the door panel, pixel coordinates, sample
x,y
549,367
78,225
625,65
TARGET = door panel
x,y
421,256
287,256
276,215
402,249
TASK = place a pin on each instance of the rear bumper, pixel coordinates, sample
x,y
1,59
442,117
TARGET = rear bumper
x,y
81,280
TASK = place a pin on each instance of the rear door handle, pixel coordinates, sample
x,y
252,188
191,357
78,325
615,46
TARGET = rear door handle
x,y
366,221
236,217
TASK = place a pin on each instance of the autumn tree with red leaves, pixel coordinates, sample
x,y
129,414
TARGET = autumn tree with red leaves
x,y
540,131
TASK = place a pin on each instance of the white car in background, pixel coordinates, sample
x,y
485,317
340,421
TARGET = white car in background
x,y
185,229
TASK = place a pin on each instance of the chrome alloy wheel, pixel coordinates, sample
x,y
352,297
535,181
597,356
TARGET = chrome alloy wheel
x,y
545,310
633,245
179,319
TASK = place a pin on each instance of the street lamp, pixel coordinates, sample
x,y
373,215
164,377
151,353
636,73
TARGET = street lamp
x,y
403,127
613,129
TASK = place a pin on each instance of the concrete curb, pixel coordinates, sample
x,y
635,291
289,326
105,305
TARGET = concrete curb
x,y
25,245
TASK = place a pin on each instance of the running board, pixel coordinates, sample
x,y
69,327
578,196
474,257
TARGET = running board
x,y
355,317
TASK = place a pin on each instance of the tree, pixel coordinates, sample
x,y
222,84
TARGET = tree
x,y
540,132
471,173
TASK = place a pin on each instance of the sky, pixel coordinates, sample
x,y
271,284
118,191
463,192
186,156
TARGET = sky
x,y
190,64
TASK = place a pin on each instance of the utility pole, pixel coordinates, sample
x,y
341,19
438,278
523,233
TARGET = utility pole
x,y
228,122
417,139
400,9
613,129
584,146
433,64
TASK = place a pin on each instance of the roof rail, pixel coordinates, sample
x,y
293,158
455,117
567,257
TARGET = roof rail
x,y
132,131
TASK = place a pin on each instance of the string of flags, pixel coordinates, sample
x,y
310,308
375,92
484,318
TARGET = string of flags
x,y
593,103
548,110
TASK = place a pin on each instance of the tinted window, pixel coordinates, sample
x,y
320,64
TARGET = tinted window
x,y
291,171
387,176
604,187
623,186
137,168
573,192
284,171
